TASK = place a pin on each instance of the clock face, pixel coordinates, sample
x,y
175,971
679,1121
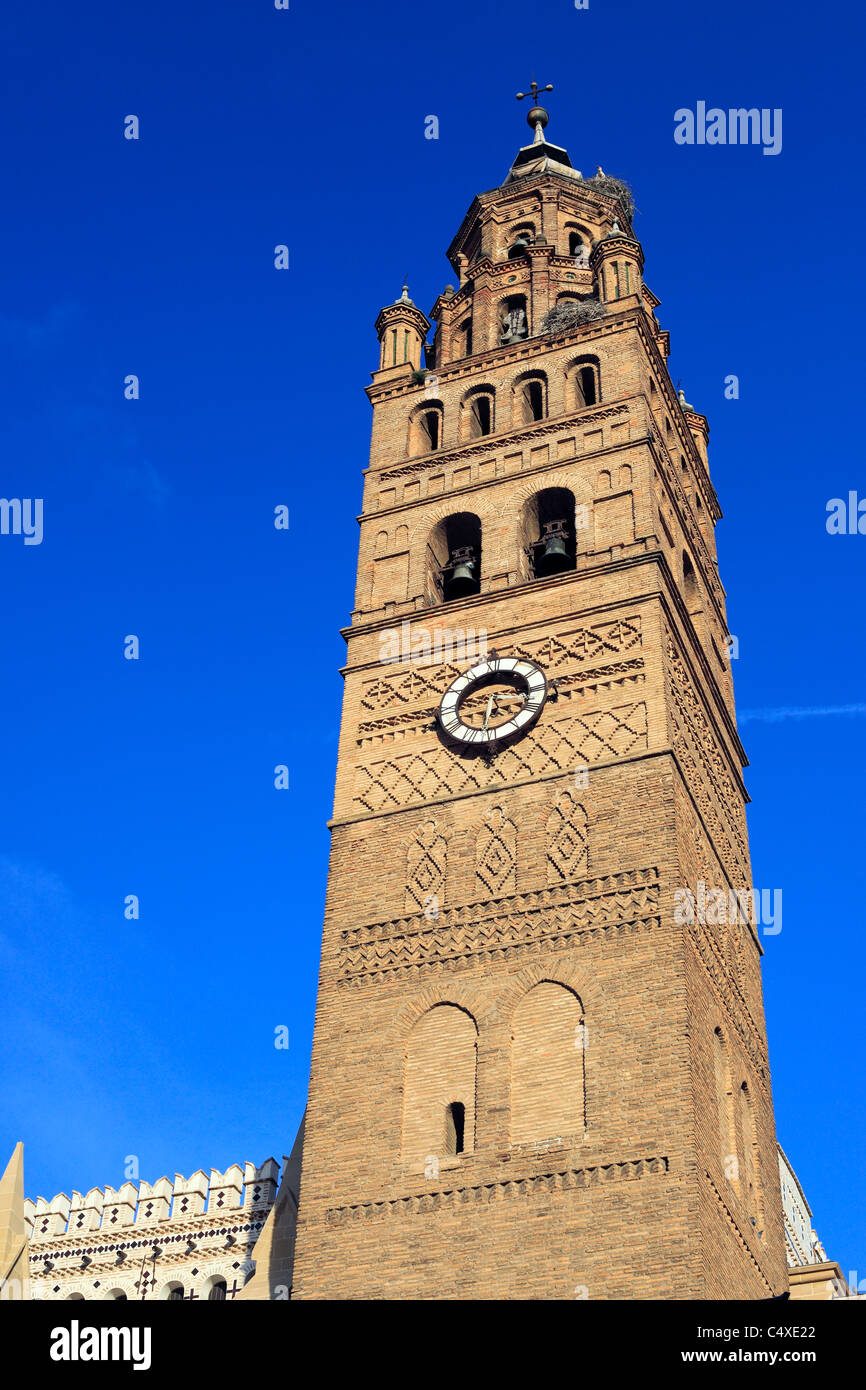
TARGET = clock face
x,y
496,701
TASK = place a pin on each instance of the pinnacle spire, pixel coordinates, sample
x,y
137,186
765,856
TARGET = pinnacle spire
x,y
13,1229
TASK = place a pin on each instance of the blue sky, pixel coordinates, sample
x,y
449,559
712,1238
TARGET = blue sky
x,y
155,257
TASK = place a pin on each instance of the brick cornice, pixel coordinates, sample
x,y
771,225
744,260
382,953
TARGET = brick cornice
x,y
532,348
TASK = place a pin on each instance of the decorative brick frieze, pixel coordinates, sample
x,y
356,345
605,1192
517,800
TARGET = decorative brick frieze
x,y
523,923
409,778
538,1185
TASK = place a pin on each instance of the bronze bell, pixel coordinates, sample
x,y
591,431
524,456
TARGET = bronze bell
x,y
552,552
459,575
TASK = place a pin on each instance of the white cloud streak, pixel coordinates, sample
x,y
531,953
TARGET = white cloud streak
x,y
783,712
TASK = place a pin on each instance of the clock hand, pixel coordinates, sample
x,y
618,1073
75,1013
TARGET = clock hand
x,y
517,695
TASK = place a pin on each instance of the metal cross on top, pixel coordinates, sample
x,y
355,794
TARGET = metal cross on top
x,y
534,89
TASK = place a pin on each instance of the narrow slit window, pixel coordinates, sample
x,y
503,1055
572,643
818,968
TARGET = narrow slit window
x,y
455,1124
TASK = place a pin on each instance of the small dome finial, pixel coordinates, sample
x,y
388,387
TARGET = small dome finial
x,y
536,117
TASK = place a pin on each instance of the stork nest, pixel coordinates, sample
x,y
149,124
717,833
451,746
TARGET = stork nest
x,y
616,188
571,314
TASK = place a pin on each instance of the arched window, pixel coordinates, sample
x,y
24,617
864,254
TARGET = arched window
x,y
585,383
175,1293
454,558
579,243
519,239
530,399
217,1291
513,319
547,1065
425,429
439,1087
75,1297
548,532
477,413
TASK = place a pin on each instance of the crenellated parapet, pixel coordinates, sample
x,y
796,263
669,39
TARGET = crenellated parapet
x,y
145,1205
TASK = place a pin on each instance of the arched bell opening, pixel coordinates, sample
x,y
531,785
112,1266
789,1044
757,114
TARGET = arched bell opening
x,y
513,319
584,383
477,413
550,537
519,239
529,399
454,558
579,243
425,429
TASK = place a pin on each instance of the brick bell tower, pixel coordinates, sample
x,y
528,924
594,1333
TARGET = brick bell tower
x,y
533,1076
